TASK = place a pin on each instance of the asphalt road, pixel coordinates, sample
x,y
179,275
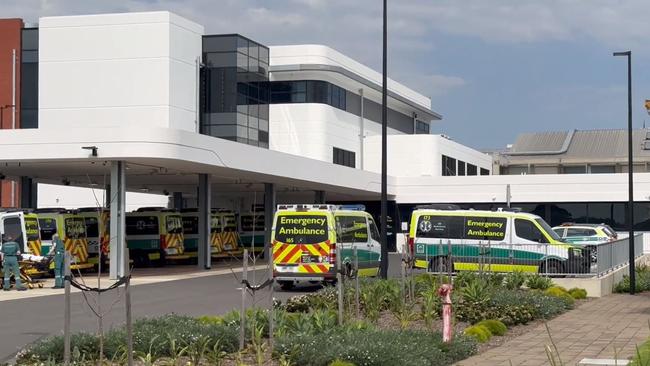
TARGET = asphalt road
x,y
27,320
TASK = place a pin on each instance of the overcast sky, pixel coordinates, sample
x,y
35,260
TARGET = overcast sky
x,y
493,68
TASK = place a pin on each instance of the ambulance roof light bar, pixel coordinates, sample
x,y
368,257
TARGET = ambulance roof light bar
x,y
307,207
358,207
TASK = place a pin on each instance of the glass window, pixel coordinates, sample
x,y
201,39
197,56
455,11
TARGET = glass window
x,y
578,169
559,231
525,229
344,157
516,170
485,171
190,225
30,56
174,224
75,228
263,137
301,229
30,39
572,231
242,45
48,228
13,231
247,223
602,169
374,232
421,127
352,229
92,227
31,229
141,225
264,55
568,212
642,216
219,43
221,59
448,166
461,167
447,227
471,169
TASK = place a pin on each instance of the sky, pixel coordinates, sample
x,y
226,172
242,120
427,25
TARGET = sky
x,y
492,68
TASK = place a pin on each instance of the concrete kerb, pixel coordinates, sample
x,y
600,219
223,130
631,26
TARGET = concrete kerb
x,y
135,281
600,286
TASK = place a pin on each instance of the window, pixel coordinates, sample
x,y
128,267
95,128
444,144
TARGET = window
x,y
308,91
374,232
31,229
421,127
48,228
525,229
301,229
141,225
92,227
568,212
13,231
250,223
352,229
75,228
580,232
471,169
190,225
344,157
447,227
485,228
578,169
461,167
602,169
448,166
485,171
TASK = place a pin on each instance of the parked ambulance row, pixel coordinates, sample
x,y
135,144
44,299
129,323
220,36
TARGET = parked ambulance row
x,y
154,235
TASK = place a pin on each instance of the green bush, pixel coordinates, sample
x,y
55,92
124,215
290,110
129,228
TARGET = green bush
x,y
211,320
514,280
642,281
479,332
642,355
537,282
561,292
374,348
150,336
341,363
496,327
578,293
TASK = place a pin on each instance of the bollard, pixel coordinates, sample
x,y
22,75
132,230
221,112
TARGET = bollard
x,y
445,292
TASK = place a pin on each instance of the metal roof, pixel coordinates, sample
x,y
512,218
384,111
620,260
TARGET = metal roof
x,y
579,146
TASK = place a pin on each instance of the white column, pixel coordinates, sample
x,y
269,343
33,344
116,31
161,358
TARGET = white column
x,y
118,265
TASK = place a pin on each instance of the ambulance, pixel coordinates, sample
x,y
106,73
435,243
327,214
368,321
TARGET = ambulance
x,y
305,238
251,231
227,235
506,240
71,229
97,231
154,235
25,224
191,232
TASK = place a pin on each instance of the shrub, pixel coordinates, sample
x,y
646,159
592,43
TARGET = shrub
x,y
537,282
514,280
341,363
495,327
578,293
479,332
211,320
51,348
642,281
374,348
560,292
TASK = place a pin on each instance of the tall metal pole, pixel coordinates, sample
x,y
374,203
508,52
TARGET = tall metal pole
x,y
630,171
384,168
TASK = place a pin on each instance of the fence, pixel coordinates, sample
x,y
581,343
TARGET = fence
x,y
446,256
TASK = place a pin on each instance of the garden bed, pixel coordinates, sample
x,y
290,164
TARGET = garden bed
x,y
394,323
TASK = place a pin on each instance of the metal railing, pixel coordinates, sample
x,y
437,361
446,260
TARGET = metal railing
x,y
615,254
446,256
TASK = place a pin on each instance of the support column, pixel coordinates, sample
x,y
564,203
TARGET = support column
x,y
107,196
117,201
28,193
204,197
178,200
269,211
319,197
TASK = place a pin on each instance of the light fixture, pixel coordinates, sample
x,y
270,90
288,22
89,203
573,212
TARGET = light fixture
x,y
93,150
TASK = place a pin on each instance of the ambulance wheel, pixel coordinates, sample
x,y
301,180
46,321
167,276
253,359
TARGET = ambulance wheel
x,y
551,266
441,264
286,285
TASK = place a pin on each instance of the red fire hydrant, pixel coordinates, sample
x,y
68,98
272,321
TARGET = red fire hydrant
x,y
445,292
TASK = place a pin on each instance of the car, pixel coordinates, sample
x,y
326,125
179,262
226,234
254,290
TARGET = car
x,y
588,235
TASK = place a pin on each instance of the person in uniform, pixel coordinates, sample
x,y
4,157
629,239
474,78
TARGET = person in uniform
x,y
59,253
10,254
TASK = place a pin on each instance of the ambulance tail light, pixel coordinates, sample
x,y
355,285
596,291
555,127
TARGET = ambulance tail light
x,y
163,242
333,254
411,244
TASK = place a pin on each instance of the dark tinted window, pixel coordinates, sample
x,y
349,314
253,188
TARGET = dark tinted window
x,y
248,223
301,229
92,227
485,171
31,227
579,232
351,229
421,127
447,227
13,231
525,229
141,225
190,225
308,91
448,166
174,224
48,228
344,157
461,167
374,232
75,228
471,169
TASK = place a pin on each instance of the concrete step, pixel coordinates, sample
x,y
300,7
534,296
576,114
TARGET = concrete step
x,y
603,362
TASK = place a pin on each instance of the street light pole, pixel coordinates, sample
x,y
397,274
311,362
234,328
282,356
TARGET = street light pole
x,y
630,171
384,170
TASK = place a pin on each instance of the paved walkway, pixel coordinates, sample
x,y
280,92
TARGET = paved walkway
x,y
601,328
